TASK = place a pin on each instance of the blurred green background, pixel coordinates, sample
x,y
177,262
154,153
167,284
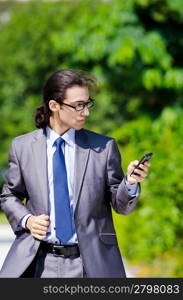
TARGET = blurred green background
x,y
134,49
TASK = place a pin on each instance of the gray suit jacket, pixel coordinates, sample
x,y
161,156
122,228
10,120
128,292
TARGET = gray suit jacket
x,y
99,184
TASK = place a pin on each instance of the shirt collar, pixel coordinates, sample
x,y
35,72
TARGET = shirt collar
x,y
68,136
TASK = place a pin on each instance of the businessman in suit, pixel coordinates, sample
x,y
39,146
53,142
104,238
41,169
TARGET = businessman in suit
x,y
61,185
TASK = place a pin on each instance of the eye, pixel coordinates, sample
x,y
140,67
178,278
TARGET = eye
x,y
80,106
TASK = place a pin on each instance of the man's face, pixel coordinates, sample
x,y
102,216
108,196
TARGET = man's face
x,y
68,117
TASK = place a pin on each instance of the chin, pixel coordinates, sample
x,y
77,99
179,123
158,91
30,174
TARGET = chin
x,y
78,127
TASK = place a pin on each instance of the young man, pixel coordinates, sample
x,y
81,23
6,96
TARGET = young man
x,y
60,186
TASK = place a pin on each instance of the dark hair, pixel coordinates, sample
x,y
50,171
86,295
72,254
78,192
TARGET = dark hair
x,y
55,89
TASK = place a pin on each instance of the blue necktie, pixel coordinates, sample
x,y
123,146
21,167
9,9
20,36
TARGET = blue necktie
x,y
63,215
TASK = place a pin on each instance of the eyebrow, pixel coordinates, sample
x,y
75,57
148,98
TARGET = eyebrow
x,y
80,101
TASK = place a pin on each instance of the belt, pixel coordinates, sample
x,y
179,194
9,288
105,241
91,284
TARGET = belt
x,y
60,250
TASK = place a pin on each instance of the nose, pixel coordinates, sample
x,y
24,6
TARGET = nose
x,y
85,112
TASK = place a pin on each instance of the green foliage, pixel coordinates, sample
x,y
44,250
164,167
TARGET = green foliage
x,y
132,55
3,219
155,227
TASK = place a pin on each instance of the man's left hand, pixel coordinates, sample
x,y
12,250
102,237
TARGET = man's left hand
x,y
139,174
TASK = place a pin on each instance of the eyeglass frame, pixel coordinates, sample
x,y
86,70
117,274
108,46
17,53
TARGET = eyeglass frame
x,y
91,100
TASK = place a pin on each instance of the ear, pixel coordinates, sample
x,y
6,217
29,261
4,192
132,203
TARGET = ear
x,y
53,105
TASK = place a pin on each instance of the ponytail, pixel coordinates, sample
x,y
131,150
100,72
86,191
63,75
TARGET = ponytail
x,y
42,116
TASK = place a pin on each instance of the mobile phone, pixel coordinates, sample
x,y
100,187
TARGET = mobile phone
x,y
144,158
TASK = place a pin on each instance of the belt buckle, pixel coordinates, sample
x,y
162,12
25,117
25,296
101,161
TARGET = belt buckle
x,y
55,247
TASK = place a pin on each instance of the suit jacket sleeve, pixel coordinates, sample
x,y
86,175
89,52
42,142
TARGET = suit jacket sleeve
x,y
14,191
122,201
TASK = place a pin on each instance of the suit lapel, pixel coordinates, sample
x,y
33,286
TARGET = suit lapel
x,y
81,160
40,159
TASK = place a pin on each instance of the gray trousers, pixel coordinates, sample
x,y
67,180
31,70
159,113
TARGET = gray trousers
x,y
47,265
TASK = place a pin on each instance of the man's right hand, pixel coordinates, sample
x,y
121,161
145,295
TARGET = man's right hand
x,y
38,226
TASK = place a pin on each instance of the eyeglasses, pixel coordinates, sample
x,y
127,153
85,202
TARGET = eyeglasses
x,y
82,106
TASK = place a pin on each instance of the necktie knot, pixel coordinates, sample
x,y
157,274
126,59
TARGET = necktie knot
x,y
58,142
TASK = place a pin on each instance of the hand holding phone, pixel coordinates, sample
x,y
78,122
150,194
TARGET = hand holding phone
x,y
146,157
